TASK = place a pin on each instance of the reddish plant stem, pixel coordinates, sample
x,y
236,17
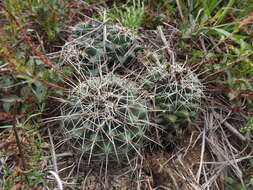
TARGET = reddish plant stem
x,y
29,41
9,59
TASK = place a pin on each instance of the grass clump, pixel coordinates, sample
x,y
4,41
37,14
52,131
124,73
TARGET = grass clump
x,y
129,15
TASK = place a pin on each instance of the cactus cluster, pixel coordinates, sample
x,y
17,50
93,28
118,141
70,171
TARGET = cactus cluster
x,y
109,116
98,48
106,118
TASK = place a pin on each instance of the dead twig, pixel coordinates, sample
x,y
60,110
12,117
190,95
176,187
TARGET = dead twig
x,y
54,159
167,45
230,127
19,145
55,173
201,156
58,180
180,10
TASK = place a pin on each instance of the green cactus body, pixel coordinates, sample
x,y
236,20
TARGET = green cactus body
x,y
102,47
174,101
106,119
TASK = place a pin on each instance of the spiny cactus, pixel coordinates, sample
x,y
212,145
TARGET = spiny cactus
x,y
99,47
106,119
175,95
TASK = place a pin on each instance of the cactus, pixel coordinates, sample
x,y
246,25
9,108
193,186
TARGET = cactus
x,y
175,95
105,119
101,47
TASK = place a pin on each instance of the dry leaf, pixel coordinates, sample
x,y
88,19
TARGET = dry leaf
x,y
17,187
247,20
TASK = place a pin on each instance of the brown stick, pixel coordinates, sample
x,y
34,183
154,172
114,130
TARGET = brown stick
x,y
236,109
22,157
242,93
230,127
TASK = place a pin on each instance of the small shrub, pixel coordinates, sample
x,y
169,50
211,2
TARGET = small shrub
x,y
46,15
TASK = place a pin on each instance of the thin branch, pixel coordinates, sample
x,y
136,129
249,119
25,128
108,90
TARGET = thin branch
x,y
230,127
19,145
201,156
55,173
58,180
180,10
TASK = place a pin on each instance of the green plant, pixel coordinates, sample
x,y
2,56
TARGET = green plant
x,y
44,15
36,174
247,129
13,163
159,11
131,16
233,184
224,29
27,74
198,15
31,92
100,47
6,180
175,95
105,118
